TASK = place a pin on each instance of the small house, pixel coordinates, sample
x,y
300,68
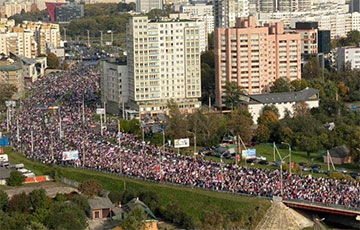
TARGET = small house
x,y
150,223
100,208
339,155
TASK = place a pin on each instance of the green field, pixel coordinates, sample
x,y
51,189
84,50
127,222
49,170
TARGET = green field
x,y
195,202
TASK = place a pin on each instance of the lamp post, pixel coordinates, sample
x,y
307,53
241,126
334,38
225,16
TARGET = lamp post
x,y
193,133
281,173
284,143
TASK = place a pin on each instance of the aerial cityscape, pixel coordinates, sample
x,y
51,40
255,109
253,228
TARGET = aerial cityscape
x,y
179,114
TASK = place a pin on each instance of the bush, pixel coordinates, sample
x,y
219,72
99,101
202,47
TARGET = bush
x,y
4,200
81,202
90,187
39,199
338,176
20,203
115,197
16,178
55,173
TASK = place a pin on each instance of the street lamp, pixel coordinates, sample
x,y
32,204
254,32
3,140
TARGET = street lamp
x,y
284,143
281,171
193,133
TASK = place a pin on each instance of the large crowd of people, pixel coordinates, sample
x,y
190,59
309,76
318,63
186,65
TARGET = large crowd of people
x,y
71,99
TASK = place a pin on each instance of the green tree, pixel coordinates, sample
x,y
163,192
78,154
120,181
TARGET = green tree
x,y
16,178
53,61
81,202
176,125
90,187
35,226
298,85
39,199
66,217
239,122
20,203
312,69
12,221
134,220
233,94
280,85
6,93
4,200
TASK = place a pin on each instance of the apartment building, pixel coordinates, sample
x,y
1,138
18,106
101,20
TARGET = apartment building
x,y
47,35
10,8
18,41
144,6
348,56
309,37
352,22
226,11
163,59
200,11
11,72
114,84
254,57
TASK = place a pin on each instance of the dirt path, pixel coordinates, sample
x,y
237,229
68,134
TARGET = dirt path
x,y
51,188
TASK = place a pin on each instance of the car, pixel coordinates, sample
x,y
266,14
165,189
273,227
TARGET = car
x,y
342,170
306,169
315,166
303,164
355,175
316,170
263,162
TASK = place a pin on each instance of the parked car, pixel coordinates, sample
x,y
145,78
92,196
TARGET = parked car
x,y
303,164
316,166
355,175
342,170
316,170
306,169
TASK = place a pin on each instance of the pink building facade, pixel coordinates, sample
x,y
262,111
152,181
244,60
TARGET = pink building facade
x,y
254,57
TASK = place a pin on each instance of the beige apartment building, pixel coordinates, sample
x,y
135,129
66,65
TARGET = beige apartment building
x,y
254,57
309,40
11,72
163,64
48,35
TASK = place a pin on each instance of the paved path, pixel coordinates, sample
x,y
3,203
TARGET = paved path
x,y
51,189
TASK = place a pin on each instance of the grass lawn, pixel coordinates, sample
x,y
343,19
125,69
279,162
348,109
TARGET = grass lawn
x,y
195,202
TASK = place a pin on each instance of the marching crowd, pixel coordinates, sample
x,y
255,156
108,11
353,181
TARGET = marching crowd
x,y
69,99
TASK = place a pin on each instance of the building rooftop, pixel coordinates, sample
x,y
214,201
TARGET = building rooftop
x,y
339,151
100,203
269,98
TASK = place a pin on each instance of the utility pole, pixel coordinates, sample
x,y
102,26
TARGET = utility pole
x,y
83,110
112,37
32,141
7,119
88,37
104,112
60,129
17,130
65,33
101,125
101,38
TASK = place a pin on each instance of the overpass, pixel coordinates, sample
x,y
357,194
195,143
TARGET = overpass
x,y
338,214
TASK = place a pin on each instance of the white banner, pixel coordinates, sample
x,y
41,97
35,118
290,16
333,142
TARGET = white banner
x,y
100,111
70,155
181,143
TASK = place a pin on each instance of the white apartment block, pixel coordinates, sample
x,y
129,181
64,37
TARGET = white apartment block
x,y
348,56
18,41
201,11
163,59
114,84
352,22
148,5
226,12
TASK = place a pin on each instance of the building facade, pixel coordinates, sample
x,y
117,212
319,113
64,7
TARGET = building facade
x,y
226,11
201,11
114,84
348,56
144,6
11,72
164,64
254,57
67,13
309,37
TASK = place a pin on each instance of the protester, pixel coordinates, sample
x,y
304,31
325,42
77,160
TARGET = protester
x,y
69,90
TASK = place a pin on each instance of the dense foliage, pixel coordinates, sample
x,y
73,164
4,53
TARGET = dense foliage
x,y
16,178
90,187
36,211
6,93
53,61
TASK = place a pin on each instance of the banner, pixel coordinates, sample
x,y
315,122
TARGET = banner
x,y
100,111
181,143
251,152
70,155
4,142
244,154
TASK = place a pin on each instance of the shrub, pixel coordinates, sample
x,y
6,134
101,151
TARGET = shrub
x,y
16,178
337,176
20,203
90,187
